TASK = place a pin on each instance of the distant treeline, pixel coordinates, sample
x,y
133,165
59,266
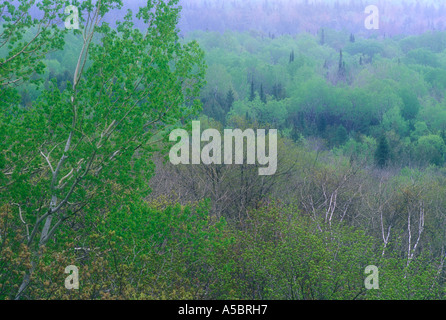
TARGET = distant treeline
x,y
290,17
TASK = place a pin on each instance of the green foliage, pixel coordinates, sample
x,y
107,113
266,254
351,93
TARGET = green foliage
x,y
382,154
61,155
366,86
152,251
431,149
283,255
423,57
399,281
433,41
83,113
411,105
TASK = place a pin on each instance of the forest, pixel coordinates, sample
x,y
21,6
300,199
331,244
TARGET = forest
x,y
279,17
85,178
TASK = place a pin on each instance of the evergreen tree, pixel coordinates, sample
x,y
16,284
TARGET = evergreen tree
x,y
252,96
262,94
341,68
382,154
352,38
229,100
340,60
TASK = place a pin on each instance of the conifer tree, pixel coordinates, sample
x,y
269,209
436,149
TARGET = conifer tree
x,y
252,96
382,154
229,100
262,94
352,38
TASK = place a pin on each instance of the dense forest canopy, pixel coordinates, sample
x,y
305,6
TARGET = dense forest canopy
x,y
84,126
347,94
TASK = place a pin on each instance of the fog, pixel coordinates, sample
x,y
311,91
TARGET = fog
x,y
278,17
291,17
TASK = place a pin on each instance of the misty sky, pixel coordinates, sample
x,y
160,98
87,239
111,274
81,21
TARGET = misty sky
x,y
294,16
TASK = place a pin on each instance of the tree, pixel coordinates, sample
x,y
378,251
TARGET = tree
x,y
341,67
278,91
262,94
431,149
382,154
71,147
352,38
252,95
25,53
322,38
292,56
229,100
341,135
411,105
